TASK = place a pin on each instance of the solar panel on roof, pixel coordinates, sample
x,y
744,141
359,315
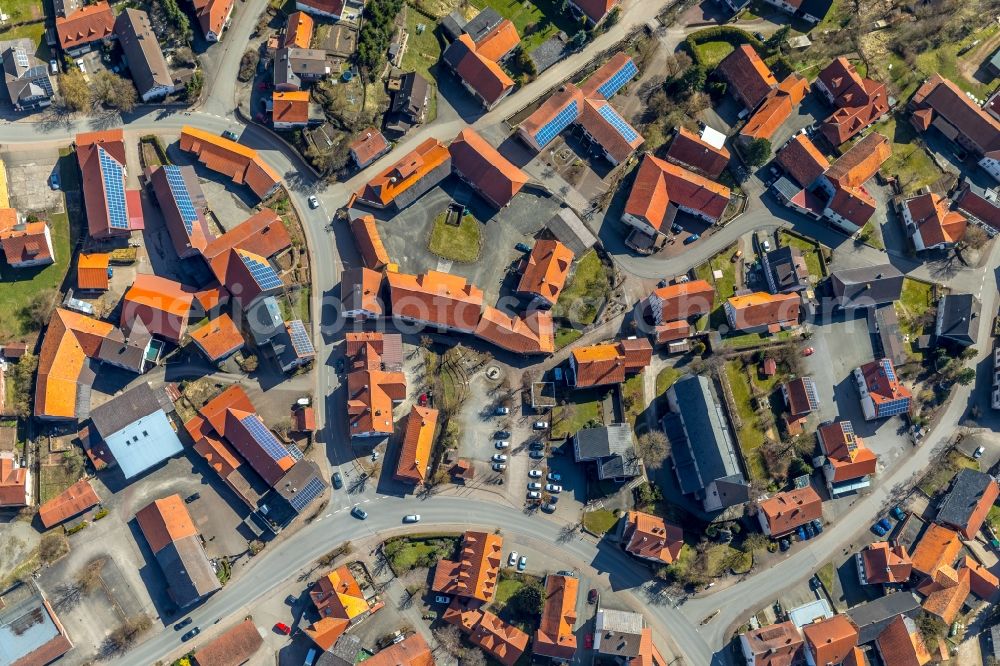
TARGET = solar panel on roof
x,y
811,392
113,175
561,121
302,499
620,78
264,437
20,57
618,123
887,369
300,340
262,272
181,195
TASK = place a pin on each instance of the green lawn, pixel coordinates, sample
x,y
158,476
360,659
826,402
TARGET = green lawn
x,y
535,21
33,31
423,50
825,575
462,243
579,414
410,553
938,479
993,518
22,11
718,557
633,396
666,378
566,336
748,340
600,521
914,301
712,53
54,479
909,162
506,589
585,290
944,60
810,252
724,286
751,437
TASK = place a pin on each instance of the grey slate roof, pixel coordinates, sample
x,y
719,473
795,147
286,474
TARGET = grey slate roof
x,y
786,270
188,572
611,447
145,59
868,286
873,616
301,485
409,102
482,24
453,25
292,65
26,77
139,401
966,489
571,231
886,321
958,318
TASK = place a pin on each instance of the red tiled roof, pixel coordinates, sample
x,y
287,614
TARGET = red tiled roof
x,y
859,101
886,564
688,149
550,108
901,644
683,300
860,162
607,133
290,107
605,73
437,298
479,72
26,242
831,641
232,648
775,645
596,10
482,165
162,305
531,334
981,208
74,500
881,387
368,147
555,637
651,537
935,223
13,482
938,547
304,419
981,581
659,183
415,453
262,234
946,592
87,24
498,42
383,189
504,642
545,271
218,338
786,511
673,330
243,165
750,79
332,7
846,453
88,148
949,101
802,160
476,572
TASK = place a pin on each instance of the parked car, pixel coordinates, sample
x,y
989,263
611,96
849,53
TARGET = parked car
x,y
553,488
54,181
535,473
810,531
784,545
548,508
183,623
534,494
692,238
313,201
522,563
978,453
501,434
231,135
736,256
359,513
808,351
512,558
534,485
192,498
338,480
522,247
802,533
340,366
766,245
501,444
54,66
540,425
282,628
191,634
676,228
817,525
499,457
898,513
499,467
442,599
566,572
537,455
412,518
291,600
502,411
878,529
536,446
592,596
554,477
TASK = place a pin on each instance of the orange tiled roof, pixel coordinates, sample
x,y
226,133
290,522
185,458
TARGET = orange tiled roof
x,y
673,330
860,162
776,109
652,537
87,24
436,298
411,651
531,334
683,300
476,572
338,595
396,179
545,271
830,641
881,387
369,242
859,101
763,309
369,145
92,271
232,648
934,221
598,364
499,42
480,73
659,183
74,500
69,340
938,547
886,564
555,637
13,481
25,242
165,521
212,14
901,644
415,454
219,337
750,78
504,642
162,305
359,288
786,511
372,393
946,592
802,160
298,30
595,10
482,165
981,581
846,452
290,107
233,159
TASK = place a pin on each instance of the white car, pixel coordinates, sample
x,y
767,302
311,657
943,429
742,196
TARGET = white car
x,y
313,201
553,488
502,444
979,452
534,494
412,518
502,411
512,560
540,425
499,467
499,457
554,477
766,244
535,473
534,485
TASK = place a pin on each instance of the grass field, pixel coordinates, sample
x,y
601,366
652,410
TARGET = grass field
x,y
944,60
810,252
938,479
724,286
462,243
666,378
909,162
632,395
913,302
712,53
568,419
825,575
406,554
423,50
748,340
586,289
751,437
566,336
722,554
535,21
599,521
33,31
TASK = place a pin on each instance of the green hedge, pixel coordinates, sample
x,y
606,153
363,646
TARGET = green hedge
x,y
722,33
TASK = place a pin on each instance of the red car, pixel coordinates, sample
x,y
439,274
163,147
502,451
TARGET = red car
x,y
588,641
282,628
808,351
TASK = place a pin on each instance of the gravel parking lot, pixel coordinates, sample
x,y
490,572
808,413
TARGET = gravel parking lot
x,y
28,181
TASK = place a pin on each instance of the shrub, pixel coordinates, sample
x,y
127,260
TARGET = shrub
x,y
248,65
100,514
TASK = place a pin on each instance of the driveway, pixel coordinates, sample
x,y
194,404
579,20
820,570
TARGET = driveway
x,y
842,343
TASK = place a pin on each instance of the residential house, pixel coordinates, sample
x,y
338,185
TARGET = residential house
x,y
941,104
298,31
661,189
25,244
33,634
702,449
243,165
957,319
163,306
872,617
866,287
29,86
593,11
69,503
761,311
359,294
482,166
480,75
332,9
234,646
605,128
136,428
931,225
368,147
418,442
571,231
409,104
849,465
476,572
408,179
945,592
812,11
213,17
801,160
295,68
146,63
92,271
369,243
785,512
859,102
494,36
785,270
618,634
411,651
289,110
775,109
15,482
693,152
112,211
750,80
79,31
979,203
544,272
340,603
969,500
681,302
902,644
373,389
436,299
241,261
651,538
882,394
938,547
504,642
830,641
176,545
882,564
184,207
849,205
801,400
555,638
777,644
530,334
218,339
608,363
612,450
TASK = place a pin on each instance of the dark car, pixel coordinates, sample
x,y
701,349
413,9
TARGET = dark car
x,y
878,529
548,508
885,524
501,434
338,480
692,238
340,366
522,247
536,446
183,623
817,525
784,545
191,634
231,135
537,455
592,596
676,228
359,513
192,497
810,531
802,533
898,513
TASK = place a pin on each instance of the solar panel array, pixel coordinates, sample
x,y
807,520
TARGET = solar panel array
x,y
302,499
621,77
900,406
113,175
551,129
179,190
811,392
887,369
618,123
20,57
300,341
262,272
294,452
264,437
39,76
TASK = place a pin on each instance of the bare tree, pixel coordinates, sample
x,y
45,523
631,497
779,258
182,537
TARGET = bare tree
x,y
473,657
654,447
449,640
974,237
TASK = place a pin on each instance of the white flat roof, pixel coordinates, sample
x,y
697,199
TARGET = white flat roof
x,y
143,443
712,137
